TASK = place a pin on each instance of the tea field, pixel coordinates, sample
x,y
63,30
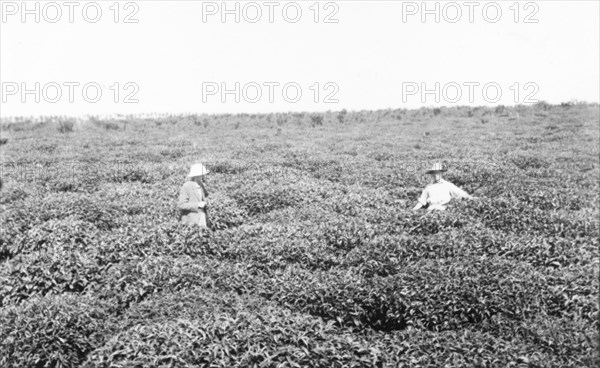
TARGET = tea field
x,y
314,257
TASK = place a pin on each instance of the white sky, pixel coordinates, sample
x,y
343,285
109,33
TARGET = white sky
x,y
370,55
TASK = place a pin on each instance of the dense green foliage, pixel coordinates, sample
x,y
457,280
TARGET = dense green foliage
x,y
314,257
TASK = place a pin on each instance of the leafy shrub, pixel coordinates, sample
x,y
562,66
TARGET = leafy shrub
x,y
229,168
415,223
474,348
52,272
346,233
104,124
13,194
329,169
172,153
331,269
24,125
515,217
438,296
530,162
108,125
348,205
133,174
565,342
57,331
63,186
65,233
66,125
258,199
341,117
267,338
316,120
224,212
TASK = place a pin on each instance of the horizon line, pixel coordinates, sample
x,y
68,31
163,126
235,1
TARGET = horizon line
x,y
304,112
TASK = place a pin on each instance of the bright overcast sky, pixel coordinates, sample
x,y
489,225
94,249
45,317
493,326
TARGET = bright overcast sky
x,y
180,55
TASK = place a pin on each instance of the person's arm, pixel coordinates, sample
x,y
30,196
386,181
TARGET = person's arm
x,y
456,192
184,202
418,206
422,201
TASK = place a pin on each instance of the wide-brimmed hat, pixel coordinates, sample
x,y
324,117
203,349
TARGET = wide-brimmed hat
x,y
436,168
197,170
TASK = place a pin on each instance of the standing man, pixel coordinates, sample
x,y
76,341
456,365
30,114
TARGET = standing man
x,y
192,198
439,192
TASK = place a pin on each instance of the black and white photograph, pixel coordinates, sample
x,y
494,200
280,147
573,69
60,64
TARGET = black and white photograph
x,y
290,184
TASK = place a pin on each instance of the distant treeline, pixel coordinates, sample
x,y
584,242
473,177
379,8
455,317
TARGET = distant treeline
x,y
66,124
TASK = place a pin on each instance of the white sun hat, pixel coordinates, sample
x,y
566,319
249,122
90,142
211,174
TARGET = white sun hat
x,y
197,170
437,167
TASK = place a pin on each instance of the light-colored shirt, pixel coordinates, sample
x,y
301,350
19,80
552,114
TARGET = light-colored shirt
x,y
201,211
190,196
438,195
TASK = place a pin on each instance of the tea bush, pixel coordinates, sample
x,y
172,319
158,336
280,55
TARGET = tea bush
x,y
313,256
52,331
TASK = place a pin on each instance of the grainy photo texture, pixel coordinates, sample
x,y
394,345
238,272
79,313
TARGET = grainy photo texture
x,y
327,184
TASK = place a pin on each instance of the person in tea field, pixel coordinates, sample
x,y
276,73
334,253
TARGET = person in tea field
x,y
440,192
192,198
